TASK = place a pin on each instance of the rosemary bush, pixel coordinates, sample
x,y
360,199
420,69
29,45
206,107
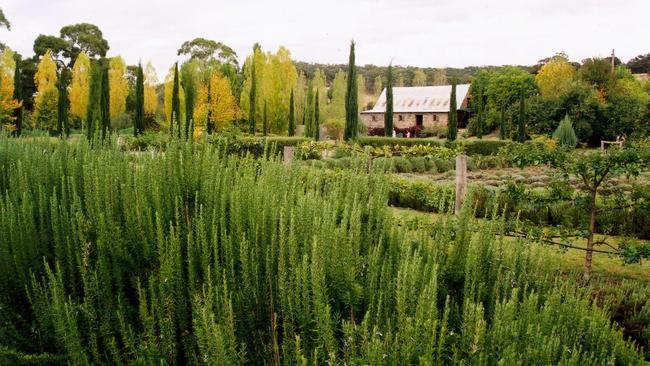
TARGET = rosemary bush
x,y
195,257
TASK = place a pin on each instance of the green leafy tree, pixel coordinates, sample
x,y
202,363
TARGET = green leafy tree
x,y
565,134
3,20
640,64
388,114
309,110
593,169
138,125
292,117
336,107
207,49
351,95
94,96
452,123
189,74
265,119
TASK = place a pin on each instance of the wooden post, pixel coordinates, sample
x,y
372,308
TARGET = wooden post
x,y
461,181
602,145
287,155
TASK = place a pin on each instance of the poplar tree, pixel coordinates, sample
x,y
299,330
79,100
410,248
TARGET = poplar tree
x,y
388,114
252,96
62,115
176,103
18,95
138,122
265,120
503,127
316,118
209,122
309,118
292,117
105,103
521,123
351,107
452,123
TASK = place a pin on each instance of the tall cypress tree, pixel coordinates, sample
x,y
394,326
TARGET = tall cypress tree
x,y
479,114
309,118
188,87
521,123
62,115
265,120
388,114
503,126
253,95
452,123
92,111
176,104
138,121
209,122
292,117
316,118
18,95
351,106
105,103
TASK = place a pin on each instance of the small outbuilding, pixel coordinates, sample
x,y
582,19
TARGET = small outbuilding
x,y
421,106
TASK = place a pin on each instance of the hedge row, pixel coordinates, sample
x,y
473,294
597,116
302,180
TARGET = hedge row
x,y
474,147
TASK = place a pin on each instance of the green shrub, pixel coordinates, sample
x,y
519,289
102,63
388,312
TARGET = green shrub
x,y
484,147
378,141
402,165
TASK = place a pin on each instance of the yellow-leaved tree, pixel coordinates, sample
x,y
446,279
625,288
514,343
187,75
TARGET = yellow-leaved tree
x,y
47,94
80,86
7,102
150,95
118,86
223,107
556,76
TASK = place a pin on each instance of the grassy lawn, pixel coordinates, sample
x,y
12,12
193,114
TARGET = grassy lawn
x,y
571,259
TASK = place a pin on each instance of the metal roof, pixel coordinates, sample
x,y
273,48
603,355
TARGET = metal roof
x,y
421,99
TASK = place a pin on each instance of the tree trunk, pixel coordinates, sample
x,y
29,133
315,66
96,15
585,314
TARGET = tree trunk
x,y
590,238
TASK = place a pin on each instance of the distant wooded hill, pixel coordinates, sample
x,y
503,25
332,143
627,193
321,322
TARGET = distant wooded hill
x,y
404,75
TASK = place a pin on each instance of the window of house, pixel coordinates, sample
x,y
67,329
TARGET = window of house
x,y
374,118
400,117
419,120
435,117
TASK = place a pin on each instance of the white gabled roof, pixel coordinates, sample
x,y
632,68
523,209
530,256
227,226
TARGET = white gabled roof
x,y
421,99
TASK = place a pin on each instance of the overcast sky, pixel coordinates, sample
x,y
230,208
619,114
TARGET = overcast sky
x,y
450,33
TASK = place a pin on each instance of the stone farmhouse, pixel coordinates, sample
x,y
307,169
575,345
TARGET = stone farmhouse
x,y
424,106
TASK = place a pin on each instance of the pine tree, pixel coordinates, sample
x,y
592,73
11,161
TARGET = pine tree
x,y
351,107
176,103
18,95
479,114
388,114
265,120
292,117
138,121
253,95
316,118
565,134
452,123
105,103
62,115
521,123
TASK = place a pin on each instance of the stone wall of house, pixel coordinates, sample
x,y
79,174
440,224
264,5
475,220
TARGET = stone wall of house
x,y
405,120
